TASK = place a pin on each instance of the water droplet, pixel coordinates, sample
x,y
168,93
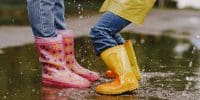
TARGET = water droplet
x,y
142,41
4,97
82,60
190,64
79,5
33,90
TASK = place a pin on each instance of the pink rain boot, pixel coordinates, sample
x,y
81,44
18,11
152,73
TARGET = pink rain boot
x,y
54,71
68,41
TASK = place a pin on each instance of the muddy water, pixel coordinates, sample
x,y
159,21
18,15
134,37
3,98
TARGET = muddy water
x,y
170,69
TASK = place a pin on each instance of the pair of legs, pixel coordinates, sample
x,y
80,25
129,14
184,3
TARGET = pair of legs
x,y
47,16
56,46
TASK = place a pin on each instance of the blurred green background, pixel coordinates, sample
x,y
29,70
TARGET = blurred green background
x,y
13,12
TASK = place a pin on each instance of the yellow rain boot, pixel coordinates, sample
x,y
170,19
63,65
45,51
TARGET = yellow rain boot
x,y
132,58
117,60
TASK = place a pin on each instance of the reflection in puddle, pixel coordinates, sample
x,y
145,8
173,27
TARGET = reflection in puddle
x,y
170,68
50,93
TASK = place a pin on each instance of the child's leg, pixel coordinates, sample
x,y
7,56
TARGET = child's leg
x,y
115,56
41,17
103,34
59,12
119,39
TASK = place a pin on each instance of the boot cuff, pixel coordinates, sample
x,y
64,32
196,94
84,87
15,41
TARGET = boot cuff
x,y
41,40
66,33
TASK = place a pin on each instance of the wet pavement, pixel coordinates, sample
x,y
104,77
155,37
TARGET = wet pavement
x,y
170,70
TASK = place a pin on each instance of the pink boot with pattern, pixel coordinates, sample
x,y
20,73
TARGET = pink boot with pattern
x,y
54,71
68,42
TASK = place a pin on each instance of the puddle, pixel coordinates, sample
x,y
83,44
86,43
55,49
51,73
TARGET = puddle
x,y
170,69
